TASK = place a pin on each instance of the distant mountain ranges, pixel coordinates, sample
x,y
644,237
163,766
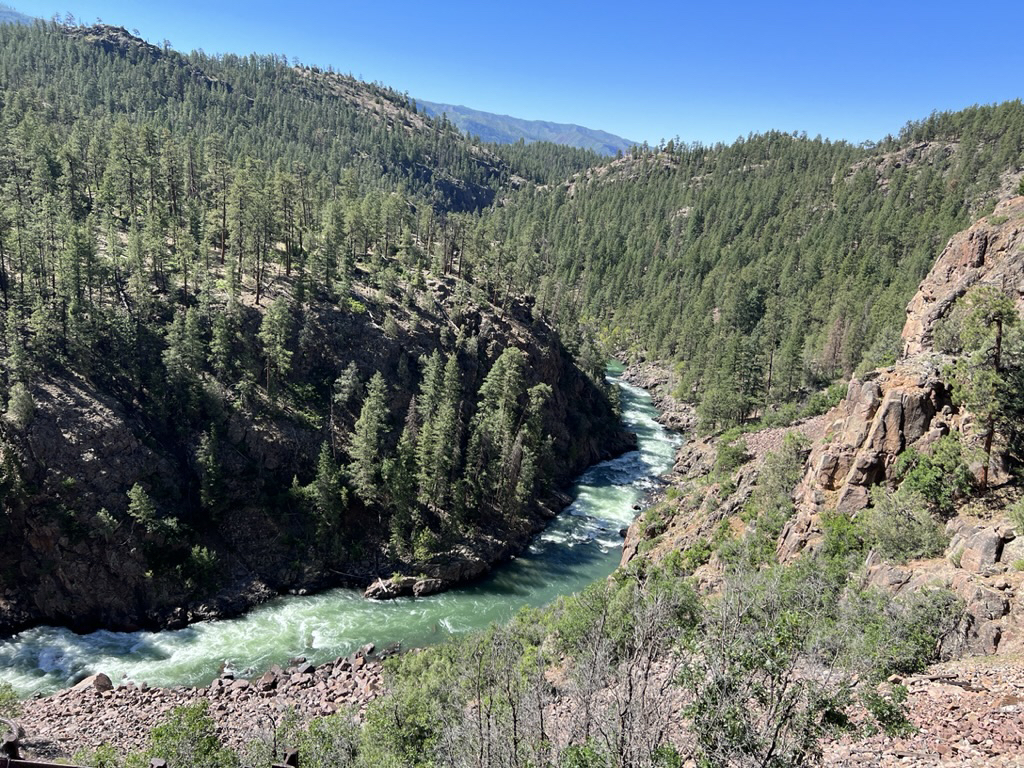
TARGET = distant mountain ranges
x,y
10,16
503,129
500,129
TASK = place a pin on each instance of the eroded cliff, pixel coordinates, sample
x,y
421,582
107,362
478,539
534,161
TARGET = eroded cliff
x,y
856,448
229,515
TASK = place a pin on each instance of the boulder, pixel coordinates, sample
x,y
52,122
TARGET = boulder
x,y
1013,551
268,682
887,577
98,682
389,589
424,587
986,640
852,499
981,550
987,604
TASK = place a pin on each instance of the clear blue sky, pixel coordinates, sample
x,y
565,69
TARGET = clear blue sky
x,y
647,71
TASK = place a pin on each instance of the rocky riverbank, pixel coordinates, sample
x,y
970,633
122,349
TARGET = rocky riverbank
x,y
95,712
661,382
964,713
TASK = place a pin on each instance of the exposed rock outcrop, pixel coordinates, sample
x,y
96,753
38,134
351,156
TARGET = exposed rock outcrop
x,y
883,414
991,251
856,446
909,404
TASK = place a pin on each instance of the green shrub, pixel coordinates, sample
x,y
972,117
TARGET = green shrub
x,y
946,336
888,711
583,756
10,704
425,545
940,477
770,504
782,416
654,521
330,742
843,537
883,635
825,400
900,527
695,556
956,557
103,756
1016,514
615,605
748,703
722,534
187,738
199,568
730,456
21,407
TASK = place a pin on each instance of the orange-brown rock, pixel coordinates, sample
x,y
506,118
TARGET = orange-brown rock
x,y
909,404
882,415
991,251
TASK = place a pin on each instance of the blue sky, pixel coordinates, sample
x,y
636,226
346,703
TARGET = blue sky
x,y
647,71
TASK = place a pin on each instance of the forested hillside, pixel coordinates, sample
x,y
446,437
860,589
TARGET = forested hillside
x,y
198,237
269,328
236,354
767,268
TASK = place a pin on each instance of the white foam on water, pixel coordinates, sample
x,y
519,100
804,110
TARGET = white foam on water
x,y
579,546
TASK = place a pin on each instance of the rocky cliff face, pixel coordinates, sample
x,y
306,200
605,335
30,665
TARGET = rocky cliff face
x,y
856,446
883,414
989,252
909,404
78,557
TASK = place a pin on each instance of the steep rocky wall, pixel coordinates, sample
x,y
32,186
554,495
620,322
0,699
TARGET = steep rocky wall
x,y
77,557
909,404
856,446
991,252
882,415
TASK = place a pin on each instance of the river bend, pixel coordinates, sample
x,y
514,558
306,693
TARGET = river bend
x,y
581,545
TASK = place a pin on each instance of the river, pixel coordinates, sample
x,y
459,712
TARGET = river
x,y
579,546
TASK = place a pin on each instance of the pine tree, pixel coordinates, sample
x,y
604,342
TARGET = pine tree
x,y
275,330
328,494
981,382
400,478
366,445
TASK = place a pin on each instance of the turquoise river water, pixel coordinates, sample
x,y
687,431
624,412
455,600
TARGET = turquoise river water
x,y
580,546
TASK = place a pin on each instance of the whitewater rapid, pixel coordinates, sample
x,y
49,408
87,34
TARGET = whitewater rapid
x,y
581,545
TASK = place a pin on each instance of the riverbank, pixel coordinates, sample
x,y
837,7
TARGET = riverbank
x,y
661,382
94,712
964,713
579,546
